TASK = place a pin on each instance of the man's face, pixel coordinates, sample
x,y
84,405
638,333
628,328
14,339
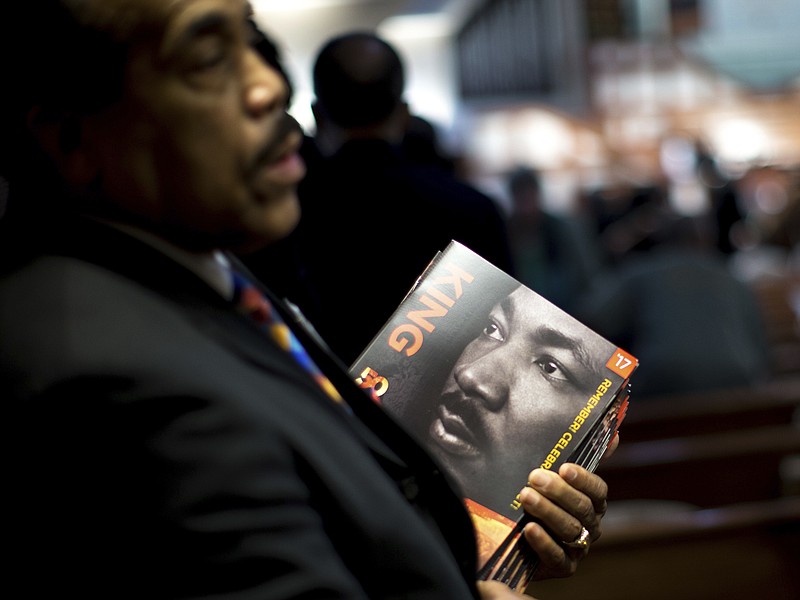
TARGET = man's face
x,y
200,147
526,371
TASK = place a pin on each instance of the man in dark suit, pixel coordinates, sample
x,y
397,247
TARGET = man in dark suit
x,y
161,444
373,217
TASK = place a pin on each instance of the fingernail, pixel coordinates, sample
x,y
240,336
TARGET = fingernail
x,y
538,477
531,497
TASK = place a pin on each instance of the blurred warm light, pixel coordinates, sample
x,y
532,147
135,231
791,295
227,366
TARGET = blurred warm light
x,y
416,26
678,158
739,140
488,140
770,197
532,137
542,139
293,5
689,198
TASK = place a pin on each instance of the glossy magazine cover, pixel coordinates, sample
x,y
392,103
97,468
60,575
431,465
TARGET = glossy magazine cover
x,y
495,380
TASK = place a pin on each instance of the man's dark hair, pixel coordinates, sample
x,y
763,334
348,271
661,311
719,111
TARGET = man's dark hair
x,y
49,60
358,79
63,68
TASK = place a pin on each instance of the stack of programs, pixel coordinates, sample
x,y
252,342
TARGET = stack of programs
x,y
494,380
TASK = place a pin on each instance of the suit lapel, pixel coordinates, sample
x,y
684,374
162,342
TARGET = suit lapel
x,y
369,412
138,261
395,449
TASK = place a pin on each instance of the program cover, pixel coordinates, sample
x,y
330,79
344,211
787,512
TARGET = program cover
x,y
495,381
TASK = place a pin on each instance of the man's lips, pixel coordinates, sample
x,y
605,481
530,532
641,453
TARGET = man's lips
x,y
287,166
279,160
451,433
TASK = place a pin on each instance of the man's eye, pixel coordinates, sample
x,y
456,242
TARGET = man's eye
x,y
207,54
549,367
552,369
494,332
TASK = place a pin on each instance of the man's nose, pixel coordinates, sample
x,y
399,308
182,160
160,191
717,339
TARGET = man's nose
x,y
264,90
486,377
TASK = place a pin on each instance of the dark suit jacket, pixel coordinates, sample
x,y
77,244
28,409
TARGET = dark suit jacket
x,y
164,448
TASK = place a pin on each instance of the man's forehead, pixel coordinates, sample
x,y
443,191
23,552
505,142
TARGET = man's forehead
x,y
534,314
129,17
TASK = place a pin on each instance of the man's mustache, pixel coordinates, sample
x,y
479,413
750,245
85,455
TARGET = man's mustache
x,y
272,150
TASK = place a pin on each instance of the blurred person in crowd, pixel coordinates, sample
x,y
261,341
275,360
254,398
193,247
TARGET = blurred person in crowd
x,y
723,196
555,255
372,218
678,308
421,144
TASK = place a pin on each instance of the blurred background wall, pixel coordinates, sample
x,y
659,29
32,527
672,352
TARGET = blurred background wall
x,y
590,91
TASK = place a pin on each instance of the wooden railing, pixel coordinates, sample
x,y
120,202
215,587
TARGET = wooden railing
x,y
742,551
704,501
773,403
778,298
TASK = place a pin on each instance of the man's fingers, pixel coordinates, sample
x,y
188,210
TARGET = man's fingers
x,y
590,484
494,590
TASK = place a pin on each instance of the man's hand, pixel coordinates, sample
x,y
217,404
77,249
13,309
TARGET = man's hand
x,y
564,503
494,590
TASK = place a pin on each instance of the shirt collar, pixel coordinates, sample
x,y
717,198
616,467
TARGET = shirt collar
x,y
212,267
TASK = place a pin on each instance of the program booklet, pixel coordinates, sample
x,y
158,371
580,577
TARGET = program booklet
x,y
495,380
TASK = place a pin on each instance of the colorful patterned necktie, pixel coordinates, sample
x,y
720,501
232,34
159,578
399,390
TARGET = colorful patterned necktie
x,y
250,301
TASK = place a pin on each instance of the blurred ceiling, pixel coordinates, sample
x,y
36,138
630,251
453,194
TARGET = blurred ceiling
x,y
756,42
305,24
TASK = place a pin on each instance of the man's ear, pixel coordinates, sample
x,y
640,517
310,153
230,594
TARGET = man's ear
x,y
61,136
